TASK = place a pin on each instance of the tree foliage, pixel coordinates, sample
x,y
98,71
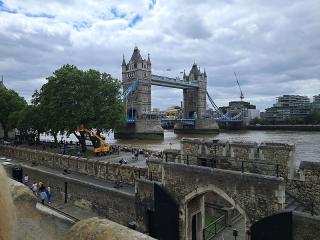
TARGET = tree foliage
x,y
31,122
72,98
313,118
10,104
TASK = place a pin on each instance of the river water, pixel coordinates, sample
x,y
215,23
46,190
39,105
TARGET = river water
x,y
307,143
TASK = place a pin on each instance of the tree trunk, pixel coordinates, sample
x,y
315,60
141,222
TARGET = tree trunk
x,y
82,141
37,138
5,134
54,134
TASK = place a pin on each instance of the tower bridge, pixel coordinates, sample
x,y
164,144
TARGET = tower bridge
x,y
141,121
173,82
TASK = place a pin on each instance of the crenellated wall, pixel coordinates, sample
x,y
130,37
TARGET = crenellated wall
x,y
264,158
98,169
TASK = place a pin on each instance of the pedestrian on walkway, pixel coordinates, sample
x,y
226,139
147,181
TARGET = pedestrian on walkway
x,y
49,194
41,186
26,179
43,196
34,188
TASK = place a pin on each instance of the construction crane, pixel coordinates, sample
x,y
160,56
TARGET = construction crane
x,y
103,148
241,94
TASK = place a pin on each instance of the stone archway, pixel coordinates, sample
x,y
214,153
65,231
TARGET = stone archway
x,y
255,196
192,209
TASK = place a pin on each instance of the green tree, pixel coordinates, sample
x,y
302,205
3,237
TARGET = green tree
x,y
313,118
72,98
10,104
32,122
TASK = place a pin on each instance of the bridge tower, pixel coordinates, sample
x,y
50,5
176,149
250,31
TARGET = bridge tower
x,y
194,99
139,102
136,81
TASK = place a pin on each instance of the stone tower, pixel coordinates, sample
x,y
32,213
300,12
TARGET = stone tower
x,y
139,102
194,99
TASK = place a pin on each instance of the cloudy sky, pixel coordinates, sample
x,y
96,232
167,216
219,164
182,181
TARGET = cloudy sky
x,y
274,45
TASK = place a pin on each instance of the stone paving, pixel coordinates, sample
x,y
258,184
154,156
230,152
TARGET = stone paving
x,y
80,177
227,233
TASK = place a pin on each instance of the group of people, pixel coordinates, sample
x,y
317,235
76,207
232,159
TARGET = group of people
x,y
39,190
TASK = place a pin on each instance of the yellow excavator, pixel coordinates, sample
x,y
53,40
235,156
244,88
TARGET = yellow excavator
x,y
103,148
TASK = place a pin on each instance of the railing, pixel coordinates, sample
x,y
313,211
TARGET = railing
x,y
211,230
187,121
252,166
174,81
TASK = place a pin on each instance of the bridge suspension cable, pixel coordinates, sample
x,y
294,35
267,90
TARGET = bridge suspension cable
x,y
132,87
221,115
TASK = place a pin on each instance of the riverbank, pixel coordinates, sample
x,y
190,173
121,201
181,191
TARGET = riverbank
x,y
285,127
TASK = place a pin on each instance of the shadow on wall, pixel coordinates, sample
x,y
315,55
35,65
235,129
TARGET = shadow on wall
x,y
21,219
7,216
104,229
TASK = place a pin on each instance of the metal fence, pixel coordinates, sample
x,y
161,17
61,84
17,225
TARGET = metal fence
x,y
211,230
258,166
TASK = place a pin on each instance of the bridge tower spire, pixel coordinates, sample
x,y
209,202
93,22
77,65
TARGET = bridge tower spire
x,y
195,98
139,102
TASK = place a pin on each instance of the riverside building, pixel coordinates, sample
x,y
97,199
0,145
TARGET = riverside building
x,y
292,107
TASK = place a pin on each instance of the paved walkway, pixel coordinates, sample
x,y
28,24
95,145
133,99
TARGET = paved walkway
x,y
73,210
106,184
227,233
113,158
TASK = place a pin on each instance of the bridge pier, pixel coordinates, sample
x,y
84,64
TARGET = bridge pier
x,y
141,129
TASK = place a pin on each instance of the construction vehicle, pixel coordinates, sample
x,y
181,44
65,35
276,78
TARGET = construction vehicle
x,y
99,148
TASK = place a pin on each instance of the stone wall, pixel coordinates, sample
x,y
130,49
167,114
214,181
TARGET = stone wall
x,y
305,227
105,201
95,228
306,186
95,168
263,197
34,222
144,195
171,155
264,158
154,170
141,129
254,196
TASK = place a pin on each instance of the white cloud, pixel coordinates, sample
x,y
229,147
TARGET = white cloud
x,y
273,46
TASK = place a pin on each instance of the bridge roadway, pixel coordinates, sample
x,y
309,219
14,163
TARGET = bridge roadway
x,y
173,82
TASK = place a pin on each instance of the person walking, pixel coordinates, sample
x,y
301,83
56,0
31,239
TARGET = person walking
x,y
49,194
43,196
26,179
41,186
34,188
